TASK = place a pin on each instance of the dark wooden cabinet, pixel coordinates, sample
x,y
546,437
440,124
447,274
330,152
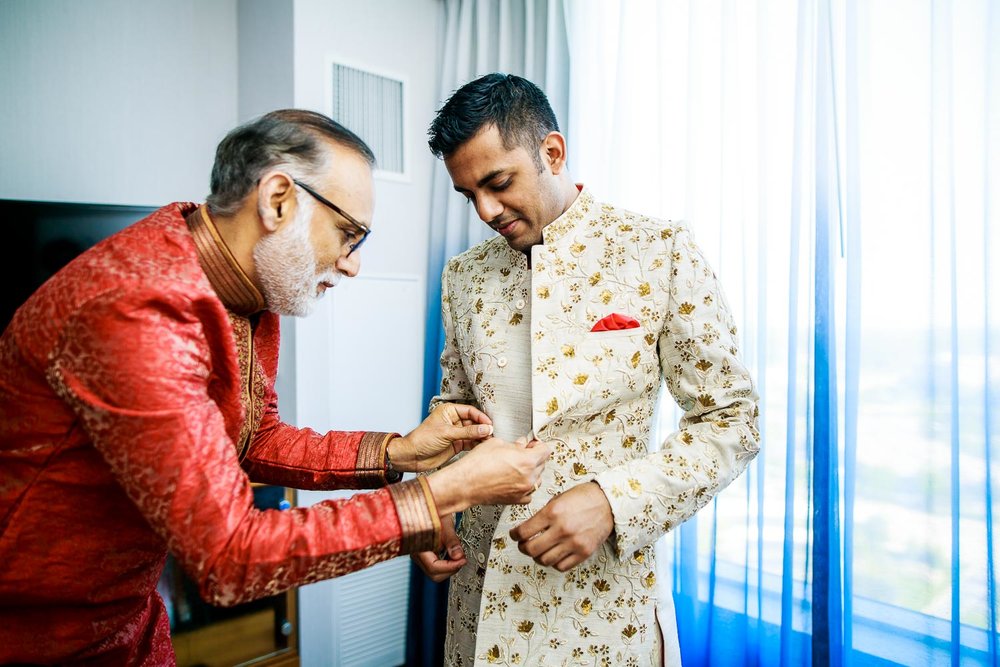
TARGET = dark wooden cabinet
x,y
261,632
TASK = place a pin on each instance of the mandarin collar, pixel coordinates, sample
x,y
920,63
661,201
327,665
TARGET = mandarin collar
x,y
570,218
230,282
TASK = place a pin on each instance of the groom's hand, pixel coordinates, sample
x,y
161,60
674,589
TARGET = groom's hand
x,y
568,529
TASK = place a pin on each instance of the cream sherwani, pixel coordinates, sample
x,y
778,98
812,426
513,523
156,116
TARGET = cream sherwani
x,y
519,344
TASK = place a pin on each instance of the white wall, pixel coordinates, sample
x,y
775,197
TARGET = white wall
x,y
266,46
114,101
391,36
367,338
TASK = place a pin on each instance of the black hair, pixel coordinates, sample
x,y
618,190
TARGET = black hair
x,y
518,108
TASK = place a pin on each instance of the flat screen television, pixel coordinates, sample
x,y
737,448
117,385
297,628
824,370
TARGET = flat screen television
x,y
42,237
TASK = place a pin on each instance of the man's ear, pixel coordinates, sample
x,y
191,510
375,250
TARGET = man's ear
x,y
553,151
275,199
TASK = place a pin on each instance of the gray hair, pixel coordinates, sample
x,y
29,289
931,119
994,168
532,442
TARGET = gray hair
x,y
287,137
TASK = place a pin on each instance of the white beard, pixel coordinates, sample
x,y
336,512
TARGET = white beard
x,y
286,267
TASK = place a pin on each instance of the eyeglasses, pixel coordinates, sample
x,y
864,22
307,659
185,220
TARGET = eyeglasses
x,y
365,230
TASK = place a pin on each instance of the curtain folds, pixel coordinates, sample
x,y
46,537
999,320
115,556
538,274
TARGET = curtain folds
x,y
523,37
837,160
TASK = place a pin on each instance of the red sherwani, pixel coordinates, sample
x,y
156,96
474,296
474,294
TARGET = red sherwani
x,y
136,405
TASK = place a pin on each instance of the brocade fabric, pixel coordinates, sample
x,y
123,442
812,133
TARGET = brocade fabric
x,y
512,331
135,411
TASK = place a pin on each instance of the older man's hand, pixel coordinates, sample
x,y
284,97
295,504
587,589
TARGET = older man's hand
x,y
438,566
449,429
495,472
568,529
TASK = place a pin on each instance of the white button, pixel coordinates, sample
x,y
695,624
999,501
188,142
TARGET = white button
x,y
519,304
501,362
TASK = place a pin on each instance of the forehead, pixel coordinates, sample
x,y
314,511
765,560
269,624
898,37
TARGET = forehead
x,y
483,154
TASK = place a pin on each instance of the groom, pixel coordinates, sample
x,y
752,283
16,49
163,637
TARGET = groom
x,y
563,328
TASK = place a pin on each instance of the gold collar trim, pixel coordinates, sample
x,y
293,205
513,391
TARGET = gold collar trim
x,y
234,287
577,211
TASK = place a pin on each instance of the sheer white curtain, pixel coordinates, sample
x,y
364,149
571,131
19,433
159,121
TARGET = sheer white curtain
x,y
837,160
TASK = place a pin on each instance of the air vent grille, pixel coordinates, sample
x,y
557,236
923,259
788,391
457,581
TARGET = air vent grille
x,y
371,106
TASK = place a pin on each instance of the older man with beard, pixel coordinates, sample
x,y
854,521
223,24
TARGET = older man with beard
x,y
137,405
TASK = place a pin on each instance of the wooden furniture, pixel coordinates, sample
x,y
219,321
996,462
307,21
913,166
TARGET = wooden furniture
x,y
261,632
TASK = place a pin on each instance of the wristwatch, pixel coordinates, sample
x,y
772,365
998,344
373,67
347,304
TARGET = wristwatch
x,y
391,474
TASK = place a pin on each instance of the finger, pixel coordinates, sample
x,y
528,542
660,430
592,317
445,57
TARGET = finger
x,y
438,569
448,413
531,527
542,543
427,561
464,412
540,450
444,566
467,437
423,560
553,556
569,562
536,473
449,538
521,442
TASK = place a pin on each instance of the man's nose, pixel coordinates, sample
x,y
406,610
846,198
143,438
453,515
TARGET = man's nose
x,y
350,265
489,209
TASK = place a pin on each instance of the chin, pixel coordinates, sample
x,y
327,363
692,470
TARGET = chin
x,y
521,245
306,308
299,307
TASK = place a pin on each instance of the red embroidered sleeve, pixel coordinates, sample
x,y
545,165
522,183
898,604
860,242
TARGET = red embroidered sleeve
x,y
136,369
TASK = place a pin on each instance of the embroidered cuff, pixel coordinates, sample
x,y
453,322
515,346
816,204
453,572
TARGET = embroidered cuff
x,y
418,516
370,466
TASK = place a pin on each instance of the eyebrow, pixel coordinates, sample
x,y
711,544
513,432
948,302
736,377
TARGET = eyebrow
x,y
484,180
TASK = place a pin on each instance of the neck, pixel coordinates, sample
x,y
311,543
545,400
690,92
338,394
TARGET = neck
x,y
240,233
569,192
233,286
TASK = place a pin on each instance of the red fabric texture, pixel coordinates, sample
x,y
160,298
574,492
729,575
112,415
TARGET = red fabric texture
x,y
616,322
119,408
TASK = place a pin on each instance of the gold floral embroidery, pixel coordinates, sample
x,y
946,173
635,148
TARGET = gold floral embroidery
x,y
593,396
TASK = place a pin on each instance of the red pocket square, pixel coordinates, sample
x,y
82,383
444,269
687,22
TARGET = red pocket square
x,y
616,322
